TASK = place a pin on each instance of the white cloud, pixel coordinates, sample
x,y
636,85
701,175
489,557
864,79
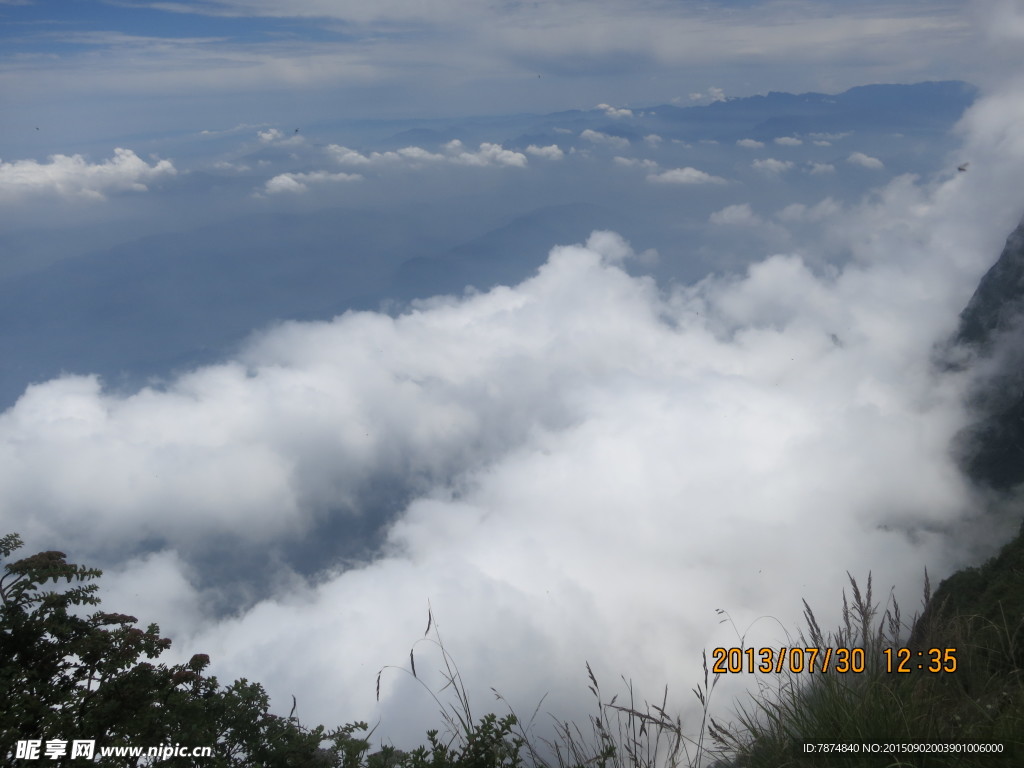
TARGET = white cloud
x,y
865,161
710,96
270,135
596,137
487,154
550,437
685,176
788,141
652,140
822,143
416,157
299,182
238,128
818,212
347,156
573,450
819,168
611,111
633,162
736,215
750,143
771,165
830,137
567,451
224,165
74,176
550,152
278,138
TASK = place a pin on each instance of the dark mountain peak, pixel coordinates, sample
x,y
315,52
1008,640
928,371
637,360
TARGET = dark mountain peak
x,y
998,301
991,450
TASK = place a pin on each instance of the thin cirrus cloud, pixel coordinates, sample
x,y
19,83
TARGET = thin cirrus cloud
x,y
75,177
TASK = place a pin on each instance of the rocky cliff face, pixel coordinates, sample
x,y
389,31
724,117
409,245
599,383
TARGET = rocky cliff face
x,y
992,326
990,597
999,299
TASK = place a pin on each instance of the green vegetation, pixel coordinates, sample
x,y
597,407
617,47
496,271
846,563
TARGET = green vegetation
x,y
71,677
981,701
63,675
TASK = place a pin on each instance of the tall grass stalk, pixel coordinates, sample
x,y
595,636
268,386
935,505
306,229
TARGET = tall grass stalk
x,y
982,701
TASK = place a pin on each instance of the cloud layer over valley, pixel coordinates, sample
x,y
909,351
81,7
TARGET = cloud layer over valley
x,y
314,316
583,466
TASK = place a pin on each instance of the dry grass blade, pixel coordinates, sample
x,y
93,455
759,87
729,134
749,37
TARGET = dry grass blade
x,y
847,632
593,680
817,636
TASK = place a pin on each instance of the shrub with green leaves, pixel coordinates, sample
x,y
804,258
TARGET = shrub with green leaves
x,y
65,676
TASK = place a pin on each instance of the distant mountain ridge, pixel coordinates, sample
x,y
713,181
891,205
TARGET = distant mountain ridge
x,y
154,304
914,107
921,106
946,95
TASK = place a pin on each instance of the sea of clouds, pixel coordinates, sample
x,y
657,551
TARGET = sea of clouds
x,y
589,465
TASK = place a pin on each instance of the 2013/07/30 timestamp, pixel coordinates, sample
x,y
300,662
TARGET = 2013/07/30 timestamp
x,y
798,660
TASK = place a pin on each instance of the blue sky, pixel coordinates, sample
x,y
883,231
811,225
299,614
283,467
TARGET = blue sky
x,y
311,316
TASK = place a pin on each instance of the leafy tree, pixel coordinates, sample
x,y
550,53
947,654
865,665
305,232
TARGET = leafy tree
x,y
68,677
